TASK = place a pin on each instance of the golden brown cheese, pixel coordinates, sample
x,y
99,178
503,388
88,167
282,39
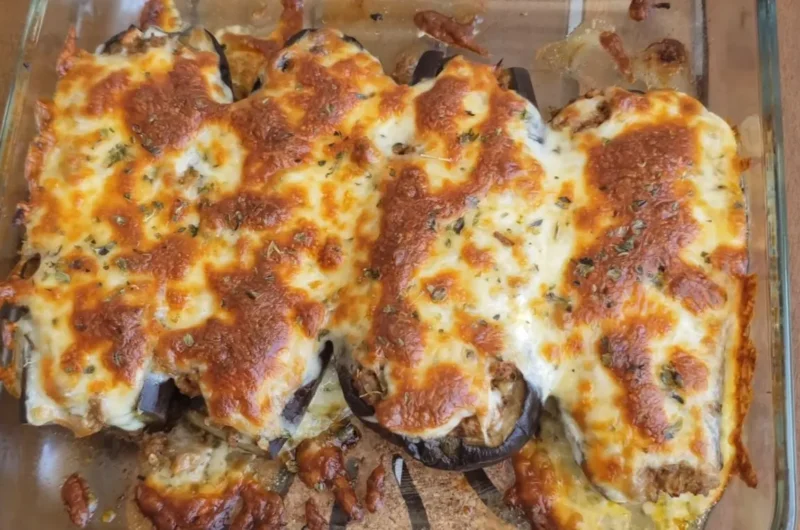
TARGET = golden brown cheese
x,y
661,323
657,302
192,250
553,493
420,317
441,233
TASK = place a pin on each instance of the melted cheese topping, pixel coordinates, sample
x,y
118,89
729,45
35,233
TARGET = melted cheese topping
x,y
190,250
658,295
440,234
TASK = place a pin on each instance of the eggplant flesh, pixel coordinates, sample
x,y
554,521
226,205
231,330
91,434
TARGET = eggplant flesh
x,y
453,452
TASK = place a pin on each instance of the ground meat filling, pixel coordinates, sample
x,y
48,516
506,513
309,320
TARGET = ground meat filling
x,y
676,479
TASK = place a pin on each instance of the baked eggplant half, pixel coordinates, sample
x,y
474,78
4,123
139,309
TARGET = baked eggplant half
x,y
439,362
467,446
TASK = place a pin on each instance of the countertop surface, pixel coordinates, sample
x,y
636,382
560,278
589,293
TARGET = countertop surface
x,y
13,18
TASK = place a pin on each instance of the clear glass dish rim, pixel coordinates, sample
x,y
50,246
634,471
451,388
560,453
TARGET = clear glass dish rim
x,y
785,510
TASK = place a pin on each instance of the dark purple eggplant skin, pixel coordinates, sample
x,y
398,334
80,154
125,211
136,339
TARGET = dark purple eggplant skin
x,y
107,46
429,65
521,84
154,399
224,67
448,453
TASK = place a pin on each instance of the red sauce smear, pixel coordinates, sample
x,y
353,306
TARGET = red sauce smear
x,y
375,483
450,31
665,58
78,500
314,519
638,10
153,14
258,509
535,485
291,18
612,43
320,462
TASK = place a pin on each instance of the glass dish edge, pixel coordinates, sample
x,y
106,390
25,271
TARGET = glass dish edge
x,y
785,510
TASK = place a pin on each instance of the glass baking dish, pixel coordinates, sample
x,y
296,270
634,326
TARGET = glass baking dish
x,y
733,69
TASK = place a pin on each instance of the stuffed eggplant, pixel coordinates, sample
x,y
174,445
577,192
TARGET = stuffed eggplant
x,y
467,446
438,361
